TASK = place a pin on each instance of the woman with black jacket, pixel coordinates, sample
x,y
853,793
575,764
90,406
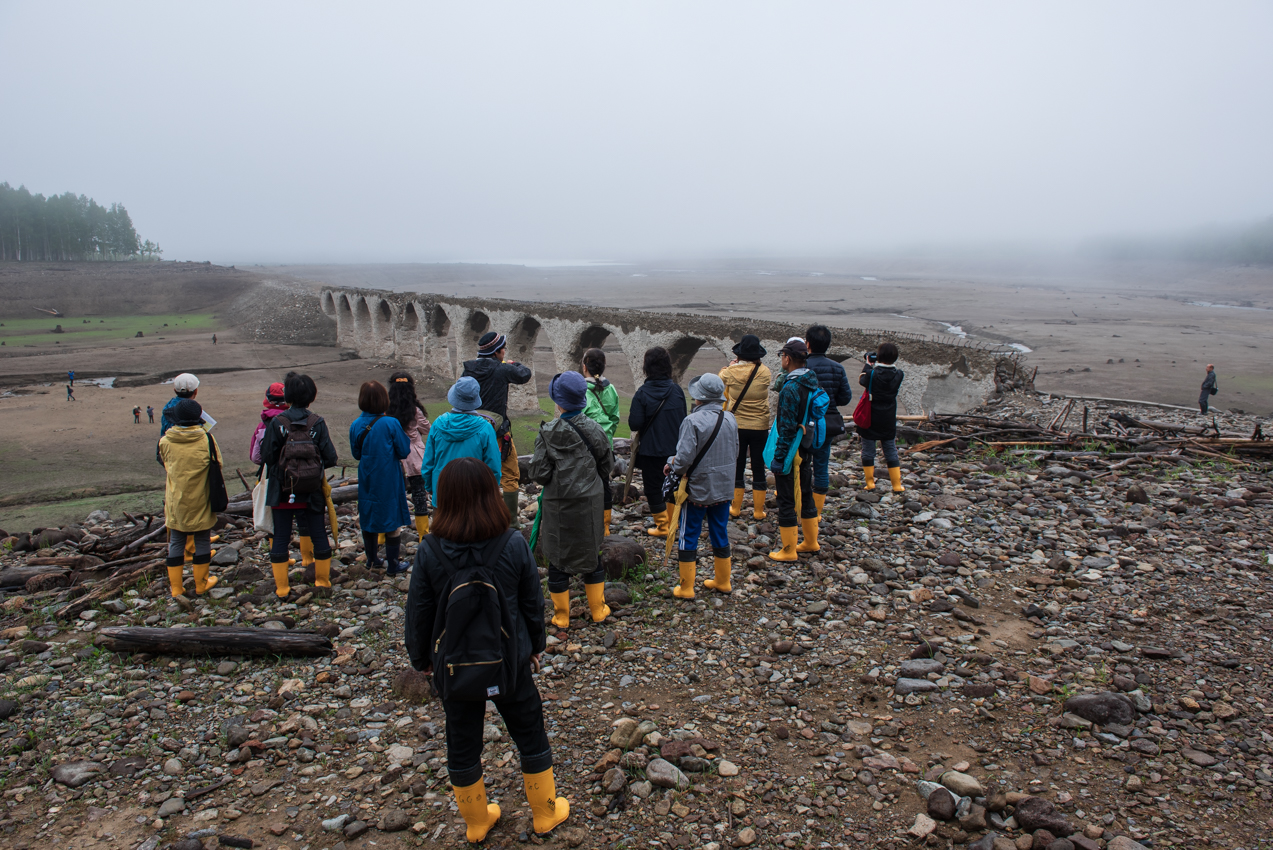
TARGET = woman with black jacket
x,y
656,414
469,520
882,379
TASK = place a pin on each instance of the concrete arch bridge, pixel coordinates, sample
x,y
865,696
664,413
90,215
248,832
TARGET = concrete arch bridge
x,y
434,334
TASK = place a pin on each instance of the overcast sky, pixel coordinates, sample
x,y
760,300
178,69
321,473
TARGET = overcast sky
x,y
367,132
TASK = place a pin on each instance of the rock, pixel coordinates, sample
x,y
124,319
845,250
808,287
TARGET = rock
x,y
170,807
974,820
641,789
225,668
1034,813
399,753
8,708
617,593
356,829
946,502
622,557
1199,758
1103,708
76,773
727,768
919,668
664,774
226,556
949,559
941,805
1122,842
913,686
413,686
127,766
613,781
622,733
745,838
922,827
961,784
986,842
234,841
174,767
336,824
394,820
1136,495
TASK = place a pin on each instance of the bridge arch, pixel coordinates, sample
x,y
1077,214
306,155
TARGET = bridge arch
x,y
382,329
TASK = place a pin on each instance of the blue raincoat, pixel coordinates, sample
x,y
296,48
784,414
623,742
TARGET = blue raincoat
x,y
455,435
379,445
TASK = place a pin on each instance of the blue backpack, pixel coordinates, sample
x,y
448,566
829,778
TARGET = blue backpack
x,y
817,402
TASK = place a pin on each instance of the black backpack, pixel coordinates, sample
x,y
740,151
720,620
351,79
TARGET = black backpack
x,y
472,631
300,465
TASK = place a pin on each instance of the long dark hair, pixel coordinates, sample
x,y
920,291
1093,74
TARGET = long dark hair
x,y
469,507
402,398
658,363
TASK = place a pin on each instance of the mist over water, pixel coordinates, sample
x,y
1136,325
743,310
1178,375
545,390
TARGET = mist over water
x,y
408,132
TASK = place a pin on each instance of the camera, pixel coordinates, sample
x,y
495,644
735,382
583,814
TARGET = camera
x,y
871,356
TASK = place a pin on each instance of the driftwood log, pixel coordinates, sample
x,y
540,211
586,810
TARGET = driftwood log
x,y
106,589
17,576
214,641
340,495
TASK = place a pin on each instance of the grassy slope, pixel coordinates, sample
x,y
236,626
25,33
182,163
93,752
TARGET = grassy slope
x,y
39,330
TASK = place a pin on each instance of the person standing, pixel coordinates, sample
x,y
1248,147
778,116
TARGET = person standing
x,y
493,375
572,457
462,432
469,522
70,392
186,451
603,408
706,452
214,339
184,385
407,409
150,413
882,379
746,382
791,460
295,448
658,408
70,377
137,414
835,383
1209,388
380,445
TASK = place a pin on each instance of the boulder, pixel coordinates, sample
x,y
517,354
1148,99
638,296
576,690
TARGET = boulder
x,y
413,686
962,784
664,774
621,556
919,668
1034,813
76,773
1102,709
941,805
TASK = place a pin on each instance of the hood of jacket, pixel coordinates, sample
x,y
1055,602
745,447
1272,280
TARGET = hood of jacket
x,y
807,378
270,412
659,388
184,435
601,382
559,435
458,427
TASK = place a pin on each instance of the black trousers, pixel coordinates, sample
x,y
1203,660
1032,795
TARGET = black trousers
x,y
752,441
786,485
309,523
523,714
419,497
559,580
652,477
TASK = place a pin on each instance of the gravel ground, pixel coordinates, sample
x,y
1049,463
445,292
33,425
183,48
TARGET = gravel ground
x,y
1009,654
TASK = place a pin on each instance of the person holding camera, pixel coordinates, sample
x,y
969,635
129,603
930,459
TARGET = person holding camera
x,y
835,383
882,379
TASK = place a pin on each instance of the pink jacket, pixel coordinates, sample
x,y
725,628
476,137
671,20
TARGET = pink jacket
x,y
266,415
417,432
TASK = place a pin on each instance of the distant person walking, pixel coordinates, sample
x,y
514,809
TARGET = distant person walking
x,y
186,451
70,393
493,375
136,415
184,385
150,413
461,432
214,339
706,452
380,445
296,449
407,409
470,532
603,408
746,382
1209,388
70,377
658,408
835,383
572,458
881,379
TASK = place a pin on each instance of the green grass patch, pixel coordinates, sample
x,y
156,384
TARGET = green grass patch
x,y
57,514
39,331
526,426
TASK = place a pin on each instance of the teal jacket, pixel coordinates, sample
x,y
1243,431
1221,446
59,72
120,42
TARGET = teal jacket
x,y
456,434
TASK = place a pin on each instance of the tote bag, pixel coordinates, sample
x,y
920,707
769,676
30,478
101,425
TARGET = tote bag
x,y
862,413
262,516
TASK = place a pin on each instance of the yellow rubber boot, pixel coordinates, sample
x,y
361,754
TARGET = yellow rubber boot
x,y
380,538
174,579
281,587
788,550
868,472
269,544
758,504
479,815
607,521
736,509
307,551
548,809
819,499
810,542
685,590
895,475
422,526
323,572
661,524
202,581
189,548
597,601
561,609
720,584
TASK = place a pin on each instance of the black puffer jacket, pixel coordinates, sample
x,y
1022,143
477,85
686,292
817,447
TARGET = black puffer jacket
x,y
884,387
493,377
834,381
518,580
658,434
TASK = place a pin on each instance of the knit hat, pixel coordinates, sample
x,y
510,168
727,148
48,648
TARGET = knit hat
x,y
465,395
749,348
185,383
795,348
187,412
490,343
569,390
274,393
707,387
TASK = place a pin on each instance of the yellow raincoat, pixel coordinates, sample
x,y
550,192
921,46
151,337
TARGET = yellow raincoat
x,y
185,455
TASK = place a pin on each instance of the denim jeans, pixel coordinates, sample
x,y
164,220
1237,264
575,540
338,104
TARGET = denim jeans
x,y
821,459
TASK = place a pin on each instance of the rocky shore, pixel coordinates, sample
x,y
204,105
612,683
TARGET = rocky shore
x,y
1017,652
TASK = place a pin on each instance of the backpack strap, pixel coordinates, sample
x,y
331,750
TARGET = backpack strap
x,y
586,442
490,552
362,436
746,387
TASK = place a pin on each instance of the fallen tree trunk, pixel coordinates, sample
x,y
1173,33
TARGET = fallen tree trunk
x,y
214,641
340,495
17,576
105,590
73,562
